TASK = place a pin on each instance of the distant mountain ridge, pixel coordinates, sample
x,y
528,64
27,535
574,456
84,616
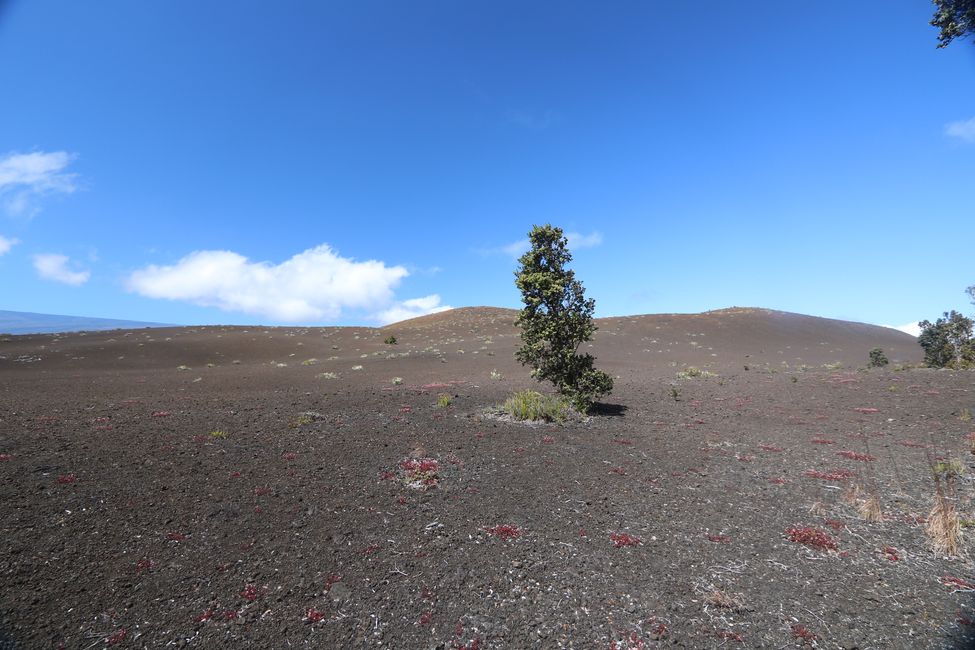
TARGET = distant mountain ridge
x,y
22,322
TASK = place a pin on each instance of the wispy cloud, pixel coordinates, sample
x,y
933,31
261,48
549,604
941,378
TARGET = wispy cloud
x,y
576,241
53,266
24,177
533,120
963,130
411,309
6,244
314,285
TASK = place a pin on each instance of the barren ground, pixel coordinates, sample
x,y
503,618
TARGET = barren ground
x,y
254,487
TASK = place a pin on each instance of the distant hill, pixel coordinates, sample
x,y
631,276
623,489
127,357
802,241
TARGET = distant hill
x,y
22,322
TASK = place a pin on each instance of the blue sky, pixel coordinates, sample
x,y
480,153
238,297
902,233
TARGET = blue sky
x,y
354,163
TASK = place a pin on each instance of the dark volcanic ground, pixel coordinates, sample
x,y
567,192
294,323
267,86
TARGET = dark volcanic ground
x,y
252,487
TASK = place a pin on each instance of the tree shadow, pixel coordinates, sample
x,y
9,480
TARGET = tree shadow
x,y
613,410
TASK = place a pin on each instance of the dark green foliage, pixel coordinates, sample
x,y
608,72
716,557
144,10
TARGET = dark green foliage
x,y
955,19
877,358
390,340
556,320
948,341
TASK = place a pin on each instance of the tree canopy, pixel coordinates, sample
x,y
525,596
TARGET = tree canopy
x,y
955,19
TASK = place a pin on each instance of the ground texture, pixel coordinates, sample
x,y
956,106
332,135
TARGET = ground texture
x,y
251,487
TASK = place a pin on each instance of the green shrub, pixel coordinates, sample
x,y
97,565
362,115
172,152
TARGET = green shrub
x,y
390,340
534,406
443,400
877,358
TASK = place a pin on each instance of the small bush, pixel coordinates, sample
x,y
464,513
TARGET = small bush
x,y
691,372
390,340
443,400
878,359
532,405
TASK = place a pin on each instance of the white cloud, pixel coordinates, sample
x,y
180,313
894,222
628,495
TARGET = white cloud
x,y
6,244
52,266
411,309
576,241
314,285
910,328
964,130
26,176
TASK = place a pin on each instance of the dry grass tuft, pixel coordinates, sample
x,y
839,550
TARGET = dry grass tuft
x,y
852,494
943,527
870,509
818,508
722,600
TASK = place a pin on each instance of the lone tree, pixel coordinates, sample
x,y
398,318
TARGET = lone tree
x,y
948,341
955,19
556,320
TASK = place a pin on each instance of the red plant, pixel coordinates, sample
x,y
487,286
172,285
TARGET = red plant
x,y
719,539
802,632
425,618
475,644
331,580
6,456
235,474
623,539
229,614
67,478
261,491
728,635
891,553
314,616
143,565
838,475
175,537
835,524
623,441
822,441
852,455
618,470
504,531
866,410
249,593
812,537
204,617
289,455
547,440
369,550
958,583
116,637
777,481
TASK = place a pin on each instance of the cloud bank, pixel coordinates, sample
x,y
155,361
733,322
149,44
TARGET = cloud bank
x,y
52,266
963,130
26,176
314,285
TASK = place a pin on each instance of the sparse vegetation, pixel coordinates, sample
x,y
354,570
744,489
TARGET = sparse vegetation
x,y
534,406
556,320
443,400
390,340
692,372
